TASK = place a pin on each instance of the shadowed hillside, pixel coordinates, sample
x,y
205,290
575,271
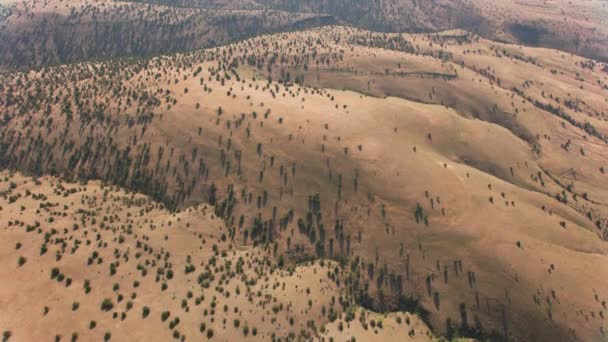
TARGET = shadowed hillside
x,y
39,33
35,33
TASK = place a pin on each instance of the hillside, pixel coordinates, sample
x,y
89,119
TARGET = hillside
x,y
448,175
92,262
574,26
36,33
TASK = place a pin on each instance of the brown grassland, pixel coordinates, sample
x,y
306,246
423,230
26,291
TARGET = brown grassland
x,y
442,184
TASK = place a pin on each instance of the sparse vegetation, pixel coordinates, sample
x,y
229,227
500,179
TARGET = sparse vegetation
x,y
235,189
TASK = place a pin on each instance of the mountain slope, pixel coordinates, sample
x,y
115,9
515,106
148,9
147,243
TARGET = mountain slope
x,y
53,32
474,194
36,33
92,262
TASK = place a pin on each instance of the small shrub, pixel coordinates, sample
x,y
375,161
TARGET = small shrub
x,y
22,260
54,273
145,312
107,305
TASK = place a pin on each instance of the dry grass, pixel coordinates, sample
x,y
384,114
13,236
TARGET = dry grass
x,y
94,226
440,168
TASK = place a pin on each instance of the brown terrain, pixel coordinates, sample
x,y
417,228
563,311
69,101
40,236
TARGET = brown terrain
x,y
46,32
443,184
106,264
36,33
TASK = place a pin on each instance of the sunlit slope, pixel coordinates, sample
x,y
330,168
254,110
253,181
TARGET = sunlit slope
x,y
449,197
92,262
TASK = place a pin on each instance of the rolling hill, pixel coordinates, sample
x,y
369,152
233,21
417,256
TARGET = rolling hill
x,y
99,263
443,174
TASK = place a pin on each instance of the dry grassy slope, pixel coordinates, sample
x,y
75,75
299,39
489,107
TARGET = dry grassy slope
x,y
477,78
143,238
492,246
